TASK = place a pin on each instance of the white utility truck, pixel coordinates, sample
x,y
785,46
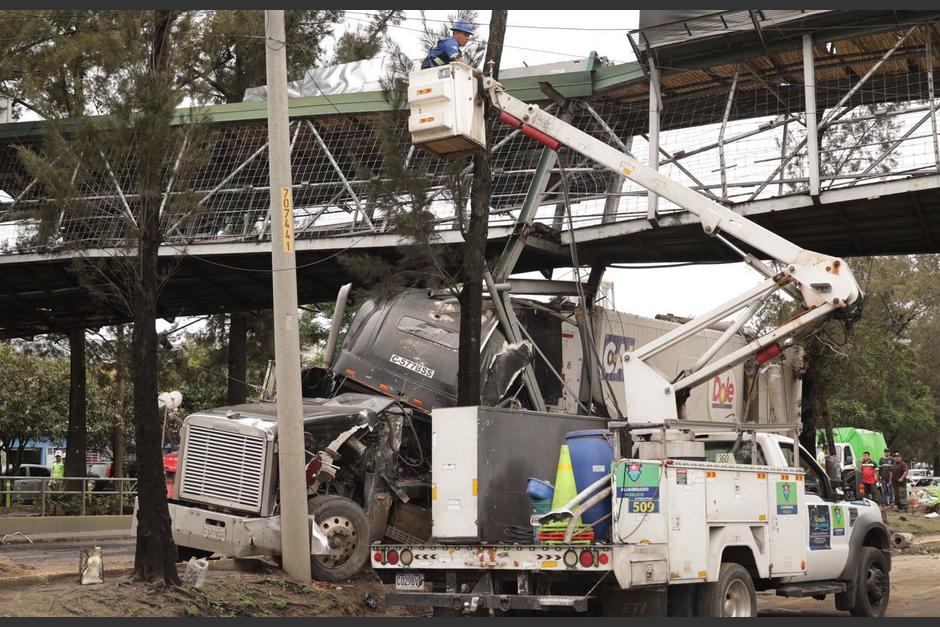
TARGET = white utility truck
x,y
689,535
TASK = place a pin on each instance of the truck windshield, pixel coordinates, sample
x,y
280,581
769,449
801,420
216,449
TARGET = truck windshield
x,y
743,455
814,483
430,332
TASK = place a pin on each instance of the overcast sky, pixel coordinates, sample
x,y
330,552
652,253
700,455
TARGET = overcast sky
x,y
535,37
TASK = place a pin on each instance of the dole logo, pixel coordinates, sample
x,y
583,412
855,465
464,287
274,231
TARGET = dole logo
x,y
723,392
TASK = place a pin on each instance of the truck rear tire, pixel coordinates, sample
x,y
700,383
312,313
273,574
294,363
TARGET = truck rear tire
x,y
346,527
732,595
872,584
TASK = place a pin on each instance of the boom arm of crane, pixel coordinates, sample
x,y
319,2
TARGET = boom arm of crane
x,y
823,284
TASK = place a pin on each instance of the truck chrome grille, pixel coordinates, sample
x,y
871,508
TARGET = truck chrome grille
x,y
223,467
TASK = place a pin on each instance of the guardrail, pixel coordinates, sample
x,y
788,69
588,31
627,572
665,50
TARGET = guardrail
x,y
66,496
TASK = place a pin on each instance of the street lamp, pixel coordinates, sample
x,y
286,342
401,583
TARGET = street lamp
x,y
168,401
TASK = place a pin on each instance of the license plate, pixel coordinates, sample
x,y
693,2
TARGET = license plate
x,y
213,532
409,581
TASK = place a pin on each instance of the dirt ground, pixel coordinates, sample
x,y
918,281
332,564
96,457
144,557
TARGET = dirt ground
x,y
225,593
9,568
915,590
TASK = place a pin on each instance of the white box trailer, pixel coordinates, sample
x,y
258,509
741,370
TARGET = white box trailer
x,y
776,394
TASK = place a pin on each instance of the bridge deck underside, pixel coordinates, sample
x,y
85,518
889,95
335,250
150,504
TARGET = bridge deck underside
x,y
47,294
751,83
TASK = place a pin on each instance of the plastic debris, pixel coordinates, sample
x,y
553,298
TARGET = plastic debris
x,y
91,567
932,515
195,574
370,602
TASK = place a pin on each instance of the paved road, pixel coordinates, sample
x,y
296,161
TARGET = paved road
x,y
64,551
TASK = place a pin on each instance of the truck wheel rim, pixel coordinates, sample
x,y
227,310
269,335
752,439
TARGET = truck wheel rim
x,y
737,600
342,538
875,585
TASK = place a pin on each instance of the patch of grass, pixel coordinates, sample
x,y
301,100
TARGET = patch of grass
x,y
248,601
912,522
288,585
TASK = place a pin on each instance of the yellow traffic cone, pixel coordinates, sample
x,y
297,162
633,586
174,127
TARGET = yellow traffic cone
x,y
565,488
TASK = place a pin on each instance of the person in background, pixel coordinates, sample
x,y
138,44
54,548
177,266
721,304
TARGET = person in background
x,y
869,477
58,469
899,482
448,49
884,465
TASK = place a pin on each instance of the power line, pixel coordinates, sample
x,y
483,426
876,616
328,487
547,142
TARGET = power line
x,y
526,26
561,54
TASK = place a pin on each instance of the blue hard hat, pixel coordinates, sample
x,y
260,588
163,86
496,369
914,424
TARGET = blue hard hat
x,y
464,27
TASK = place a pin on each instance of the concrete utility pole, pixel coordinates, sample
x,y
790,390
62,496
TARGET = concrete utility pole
x,y
295,531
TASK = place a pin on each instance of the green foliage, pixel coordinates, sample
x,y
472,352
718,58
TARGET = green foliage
x,y
880,375
367,40
34,400
230,55
851,146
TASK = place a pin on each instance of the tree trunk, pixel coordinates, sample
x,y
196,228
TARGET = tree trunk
x,y
120,350
471,295
75,446
156,553
808,410
238,358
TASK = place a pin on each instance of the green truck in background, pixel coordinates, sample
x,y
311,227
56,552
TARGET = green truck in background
x,y
850,443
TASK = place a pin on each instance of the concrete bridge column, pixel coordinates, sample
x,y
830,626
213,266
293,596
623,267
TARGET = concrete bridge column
x,y
76,440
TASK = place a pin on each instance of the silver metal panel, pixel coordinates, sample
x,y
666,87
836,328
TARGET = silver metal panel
x,y
454,473
223,467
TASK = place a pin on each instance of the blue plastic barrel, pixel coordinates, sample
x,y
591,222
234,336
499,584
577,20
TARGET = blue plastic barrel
x,y
591,456
539,490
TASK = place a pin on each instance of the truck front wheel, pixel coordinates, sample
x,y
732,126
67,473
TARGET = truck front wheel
x,y
872,584
732,595
346,528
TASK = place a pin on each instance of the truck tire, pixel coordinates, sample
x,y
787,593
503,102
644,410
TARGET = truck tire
x,y
872,584
346,527
732,595
183,553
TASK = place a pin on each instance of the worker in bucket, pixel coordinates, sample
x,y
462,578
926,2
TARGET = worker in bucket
x,y
448,49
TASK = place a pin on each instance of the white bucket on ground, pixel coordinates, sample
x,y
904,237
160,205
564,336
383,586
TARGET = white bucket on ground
x,y
195,574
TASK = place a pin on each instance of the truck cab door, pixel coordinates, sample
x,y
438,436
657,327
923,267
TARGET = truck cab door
x,y
826,526
849,471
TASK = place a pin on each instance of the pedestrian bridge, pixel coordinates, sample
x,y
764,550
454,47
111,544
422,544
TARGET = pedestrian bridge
x,y
856,175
